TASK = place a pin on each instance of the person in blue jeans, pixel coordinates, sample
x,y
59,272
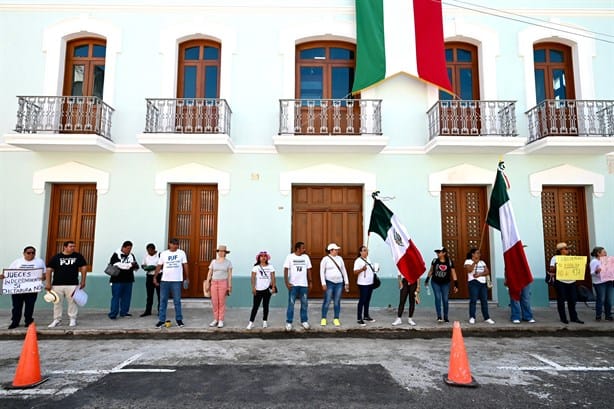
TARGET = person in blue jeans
x,y
477,271
603,288
442,273
297,276
521,309
334,279
174,263
121,284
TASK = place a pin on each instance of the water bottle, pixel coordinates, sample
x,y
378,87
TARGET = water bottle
x,y
428,290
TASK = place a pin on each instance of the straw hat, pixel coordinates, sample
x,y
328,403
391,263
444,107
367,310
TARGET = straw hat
x,y
52,297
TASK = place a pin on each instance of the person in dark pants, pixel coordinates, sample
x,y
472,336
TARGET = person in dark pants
x,y
364,271
29,261
407,290
263,286
566,290
150,261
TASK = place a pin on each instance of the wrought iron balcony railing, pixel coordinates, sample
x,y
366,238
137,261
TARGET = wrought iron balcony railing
x,y
571,117
472,118
65,114
330,116
188,115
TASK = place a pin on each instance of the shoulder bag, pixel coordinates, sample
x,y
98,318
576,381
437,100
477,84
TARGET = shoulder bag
x,y
112,270
376,281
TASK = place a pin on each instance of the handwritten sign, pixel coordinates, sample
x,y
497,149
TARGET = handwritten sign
x,y
607,268
19,281
570,267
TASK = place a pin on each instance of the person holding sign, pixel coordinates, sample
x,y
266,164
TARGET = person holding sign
x,y
603,286
33,264
565,289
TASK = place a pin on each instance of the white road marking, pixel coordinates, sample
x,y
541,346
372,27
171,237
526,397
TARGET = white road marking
x,y
553,366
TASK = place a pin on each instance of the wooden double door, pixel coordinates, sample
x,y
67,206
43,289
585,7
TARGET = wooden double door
x,y
463,218
325,214
193,220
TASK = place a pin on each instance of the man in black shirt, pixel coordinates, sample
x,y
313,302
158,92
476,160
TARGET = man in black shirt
x,y
66,267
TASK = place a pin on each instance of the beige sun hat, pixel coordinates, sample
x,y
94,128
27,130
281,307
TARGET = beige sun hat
x,y
52,297
223,247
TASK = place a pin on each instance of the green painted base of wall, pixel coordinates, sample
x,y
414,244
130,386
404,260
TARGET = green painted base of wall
x,y
387,295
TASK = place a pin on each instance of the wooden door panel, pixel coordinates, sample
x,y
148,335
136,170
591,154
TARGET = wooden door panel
x,y
463,215
325,214
564,219
193,220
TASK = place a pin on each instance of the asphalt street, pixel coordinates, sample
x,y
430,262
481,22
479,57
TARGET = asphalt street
x,y
314,373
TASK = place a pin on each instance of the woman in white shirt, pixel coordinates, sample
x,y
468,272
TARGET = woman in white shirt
x,y
334,278
477,271
364,270
263,285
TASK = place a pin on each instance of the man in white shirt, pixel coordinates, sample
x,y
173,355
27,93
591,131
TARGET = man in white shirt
x,y
297,275
175,269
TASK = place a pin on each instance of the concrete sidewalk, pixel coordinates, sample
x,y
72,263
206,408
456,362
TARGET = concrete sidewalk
x,y
94,323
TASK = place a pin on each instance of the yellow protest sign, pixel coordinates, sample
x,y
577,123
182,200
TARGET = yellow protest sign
x,y
570,267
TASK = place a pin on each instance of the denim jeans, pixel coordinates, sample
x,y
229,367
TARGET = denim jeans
x,y
121,295
294,293
166,287
477,291
441,293
603,301
333,290
521,310
363,302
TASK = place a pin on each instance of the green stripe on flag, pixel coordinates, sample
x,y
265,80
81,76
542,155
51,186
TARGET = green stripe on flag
x,y
497,199
380,219
370,47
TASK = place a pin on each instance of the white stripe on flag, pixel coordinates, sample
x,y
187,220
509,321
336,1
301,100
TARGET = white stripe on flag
x,y
509,231
400,38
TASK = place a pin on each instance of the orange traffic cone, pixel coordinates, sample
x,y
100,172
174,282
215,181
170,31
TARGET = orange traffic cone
x,y
28,373
459,373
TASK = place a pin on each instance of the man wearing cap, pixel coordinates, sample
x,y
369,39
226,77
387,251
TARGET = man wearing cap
x,y
334,278
174,263
65,267
297,275
565,289
29,261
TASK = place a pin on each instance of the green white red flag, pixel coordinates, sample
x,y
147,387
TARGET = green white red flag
x,y
501,217
384,29
406,255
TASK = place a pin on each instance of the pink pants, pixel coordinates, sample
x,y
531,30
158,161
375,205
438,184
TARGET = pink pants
x,y
218,298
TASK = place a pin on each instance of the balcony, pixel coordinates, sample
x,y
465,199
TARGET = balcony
x,y
571,126
187,125
330,125
65,123
471,126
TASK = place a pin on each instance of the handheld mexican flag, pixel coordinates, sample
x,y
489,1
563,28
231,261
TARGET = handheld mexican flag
x,y
501,217
406,255
400,37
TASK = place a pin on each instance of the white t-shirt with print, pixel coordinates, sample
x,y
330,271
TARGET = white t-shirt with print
x,y
365,277
478,269
297,269
172,264
263,276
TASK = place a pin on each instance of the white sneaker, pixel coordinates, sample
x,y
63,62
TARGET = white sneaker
x,y
73,322
305,325
398,321
532,321
220,324
489,321
288,326
265,324
515,321
250,325
54,323
213,323
411,322
471,320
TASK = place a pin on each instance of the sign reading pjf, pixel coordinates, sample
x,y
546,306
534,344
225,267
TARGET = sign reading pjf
x,y
570,267
18,281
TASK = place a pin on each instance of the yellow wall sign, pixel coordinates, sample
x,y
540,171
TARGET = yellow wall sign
x,y
570,267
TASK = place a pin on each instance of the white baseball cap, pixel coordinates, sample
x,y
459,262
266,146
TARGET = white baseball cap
x,y
332,246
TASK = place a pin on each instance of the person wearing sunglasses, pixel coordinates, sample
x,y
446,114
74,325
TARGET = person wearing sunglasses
x,y
565,289
29,261
263,286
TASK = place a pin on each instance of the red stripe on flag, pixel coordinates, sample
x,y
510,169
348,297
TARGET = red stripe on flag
x,y
517,272
411,265
430,47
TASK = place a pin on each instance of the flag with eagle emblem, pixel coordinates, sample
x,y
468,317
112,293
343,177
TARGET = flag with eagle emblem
x,y
406,255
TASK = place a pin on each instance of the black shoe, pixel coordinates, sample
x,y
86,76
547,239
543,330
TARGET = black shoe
x,y
598,318
578,321
27,324
13,325
113,317
145,314
126,315
369,319
361,323
609,319
160,324
446,320
180,324
565,321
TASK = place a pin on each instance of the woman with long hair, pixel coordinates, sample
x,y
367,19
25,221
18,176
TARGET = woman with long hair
x,y
477,271
220,280
263,286
364,271
442,272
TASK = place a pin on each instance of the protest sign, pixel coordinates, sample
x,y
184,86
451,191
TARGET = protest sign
x,y
570,267
22,280
607,268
